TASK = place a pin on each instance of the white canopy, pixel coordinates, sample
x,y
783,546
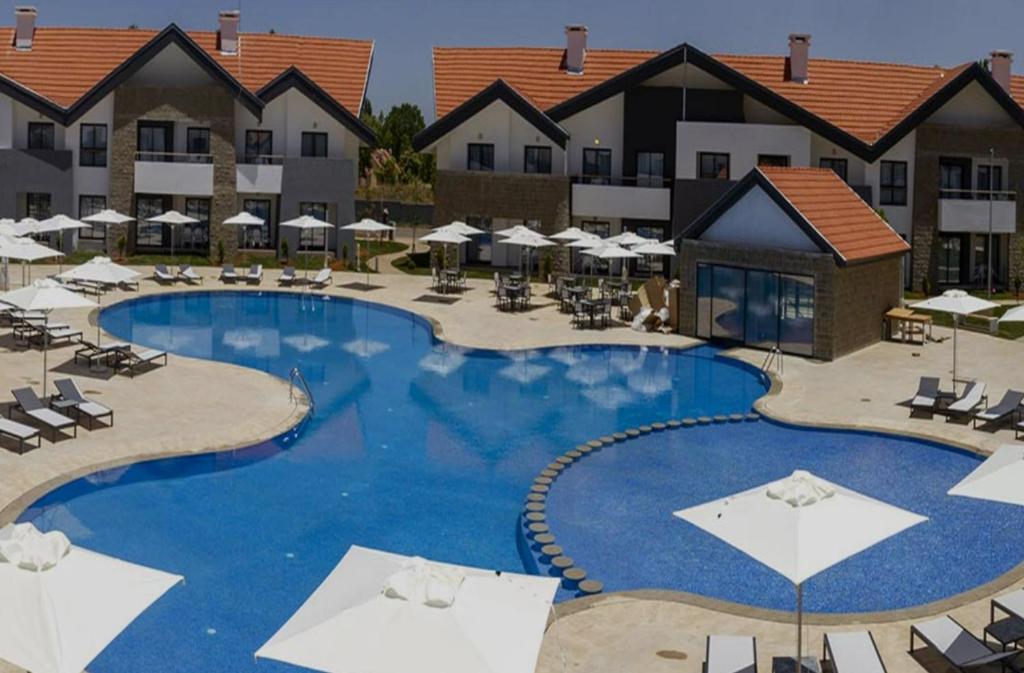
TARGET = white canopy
x,y
958,303
61,222
108,216
586,242
385,613
572,234
1015,314
368,225
25,249
999,478
59,619
528,239
172,217
512,231
459,228
629,238
656,248
100,270
244,219
27,225
306,222
445,237
610,251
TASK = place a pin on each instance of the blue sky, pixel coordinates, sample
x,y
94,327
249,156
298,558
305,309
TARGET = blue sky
x,y
912,31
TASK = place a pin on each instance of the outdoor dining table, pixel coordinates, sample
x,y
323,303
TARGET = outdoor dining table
x,y
592,306
449,280
1009,629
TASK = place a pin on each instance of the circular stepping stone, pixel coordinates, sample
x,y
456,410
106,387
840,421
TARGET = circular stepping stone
x,y
735,418
607,439
595,444
673,423
543,480
536,497
535,507
591,587
564,460
585,449
539,488
689,422
544,538
620,436
548,472
574,454
558,467
562,562
536,517
632,432
551,550
658,426
720,418
539,527
645,429
575,574
752,417
704,420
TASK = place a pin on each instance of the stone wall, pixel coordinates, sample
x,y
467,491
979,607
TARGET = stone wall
x,y
934,141
209,106
862,293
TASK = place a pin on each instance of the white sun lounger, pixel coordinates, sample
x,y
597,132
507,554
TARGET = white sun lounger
x,y
228,274
162,275
287,276
20,432
255,274
188,274
323,278
973,397
958,646
94,411
853,652
129,359
730,654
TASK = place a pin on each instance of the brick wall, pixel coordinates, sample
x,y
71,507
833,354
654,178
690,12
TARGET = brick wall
x,y
934,141
210,106
862,293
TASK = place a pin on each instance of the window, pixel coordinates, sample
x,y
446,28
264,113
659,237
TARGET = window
x,y
597,166
651,265
197,144
773,160
40,135
92,145
712,166
990,176
537,159
480,157
90,205
150,234
313,239
37,205
259,146
838,166
893,183
155,141
650,169
952,262
254,238
314,144
194,236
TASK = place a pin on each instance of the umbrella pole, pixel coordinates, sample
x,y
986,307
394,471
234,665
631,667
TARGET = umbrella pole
x,y
99,304
799,627
46,345
954,351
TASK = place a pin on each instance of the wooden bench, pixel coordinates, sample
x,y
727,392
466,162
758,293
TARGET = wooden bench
x,y
20,432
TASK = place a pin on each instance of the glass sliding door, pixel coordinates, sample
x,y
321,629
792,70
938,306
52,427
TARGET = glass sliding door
x,y
762,311
727,303
796,314
703,301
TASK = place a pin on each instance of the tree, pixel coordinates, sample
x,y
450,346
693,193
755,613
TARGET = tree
x,y
394,161
398,128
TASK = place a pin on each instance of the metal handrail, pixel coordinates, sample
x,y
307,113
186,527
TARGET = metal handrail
x,y
774,357
156,156
977,195
296,375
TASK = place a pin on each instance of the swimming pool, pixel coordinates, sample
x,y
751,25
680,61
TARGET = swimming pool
x,y
419,447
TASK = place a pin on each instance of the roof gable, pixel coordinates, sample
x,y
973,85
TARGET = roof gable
x,y
293,78
755,219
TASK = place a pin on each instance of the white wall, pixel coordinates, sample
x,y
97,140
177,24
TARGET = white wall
x,y
742,142
288,116
6,122
757,221
22,116
500,125
972,107
90,180
599,126
900,218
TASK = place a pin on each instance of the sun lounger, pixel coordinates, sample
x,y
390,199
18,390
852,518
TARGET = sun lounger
x,y
958,646
853,652
1001,411
53,333
130,360
730,654
928,395
29,404
228,274
90,352
20,432
322,278
162,275
94,411
188,274
255,274
973,397
287,276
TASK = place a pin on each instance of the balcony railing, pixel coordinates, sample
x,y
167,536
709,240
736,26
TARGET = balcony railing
x,y
175,157
977,195
261,159
977,211
622,181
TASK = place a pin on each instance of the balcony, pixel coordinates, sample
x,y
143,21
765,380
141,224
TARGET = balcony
x,y
966,211
173,173
630,197
262,174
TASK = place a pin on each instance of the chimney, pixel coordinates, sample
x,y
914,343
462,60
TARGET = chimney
x,y
25,27
575,48
229,31
799,50
999,66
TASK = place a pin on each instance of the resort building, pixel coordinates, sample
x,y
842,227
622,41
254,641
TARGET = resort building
x,y
207,123
812,278
611,140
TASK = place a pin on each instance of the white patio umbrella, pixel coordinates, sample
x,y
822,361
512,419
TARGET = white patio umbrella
x,y
655,249
444,237
610,251
571,235
528,240
25,249
27,226
512,231
628,239
998,479
60,223
100,270
958,303
63,604
107,216
309,223
386,613
367,226
172,218
459,228
244,220
1015,314
799,526
8,227
45,295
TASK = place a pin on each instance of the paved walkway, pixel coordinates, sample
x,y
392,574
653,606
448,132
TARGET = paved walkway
x,y
643,632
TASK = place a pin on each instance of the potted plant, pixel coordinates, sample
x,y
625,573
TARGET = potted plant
x,y
122,245
284,251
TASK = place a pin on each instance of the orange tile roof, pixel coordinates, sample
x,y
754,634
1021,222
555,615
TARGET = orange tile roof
x,y
538,73
64,63
842,218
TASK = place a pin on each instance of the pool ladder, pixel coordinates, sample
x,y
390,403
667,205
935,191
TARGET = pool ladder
x,y
295,378
774,357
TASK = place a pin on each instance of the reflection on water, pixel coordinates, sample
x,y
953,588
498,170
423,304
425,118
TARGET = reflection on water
x,y
305,343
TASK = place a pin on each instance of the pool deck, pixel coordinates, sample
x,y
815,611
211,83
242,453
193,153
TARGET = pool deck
x,y
640,631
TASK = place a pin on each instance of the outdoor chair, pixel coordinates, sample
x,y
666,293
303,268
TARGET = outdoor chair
x,y
228,273
90,352
287,276
853,652
255,275
52,334
606,312
579,314
29,404
130,360
162,275
20,432
94,411
959,647
322,279
730,654
973,397
504,299
928,396
188,274
1006,408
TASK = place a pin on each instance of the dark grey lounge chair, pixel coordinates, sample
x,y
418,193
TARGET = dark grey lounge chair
x,y
853,652
958,646
730,654
188,274
130,360
90,352
20,432
228,273
287,276
928,395
28,403
94,411
162,275
1006,408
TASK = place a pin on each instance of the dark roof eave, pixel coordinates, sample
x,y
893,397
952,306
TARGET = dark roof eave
x,y
31,99
294,78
